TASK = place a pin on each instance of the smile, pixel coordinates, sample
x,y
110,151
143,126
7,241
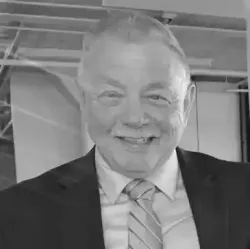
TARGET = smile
x,y
137,141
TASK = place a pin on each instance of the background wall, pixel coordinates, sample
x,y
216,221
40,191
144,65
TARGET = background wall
x,y
47,122
214,126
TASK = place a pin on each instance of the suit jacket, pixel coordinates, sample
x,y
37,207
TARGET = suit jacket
x,y
61,208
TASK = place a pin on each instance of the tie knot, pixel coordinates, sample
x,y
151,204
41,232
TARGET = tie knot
x,y
140,189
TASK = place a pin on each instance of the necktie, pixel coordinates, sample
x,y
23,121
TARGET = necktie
x,y
143,226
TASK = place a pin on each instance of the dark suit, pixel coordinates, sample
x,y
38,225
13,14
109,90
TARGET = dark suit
x,y
61,208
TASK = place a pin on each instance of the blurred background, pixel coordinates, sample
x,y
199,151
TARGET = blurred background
x,y
40,105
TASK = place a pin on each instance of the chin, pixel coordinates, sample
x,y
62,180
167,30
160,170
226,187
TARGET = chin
x,y
133,162
138,168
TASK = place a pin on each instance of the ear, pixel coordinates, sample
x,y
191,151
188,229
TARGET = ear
x,y
188,101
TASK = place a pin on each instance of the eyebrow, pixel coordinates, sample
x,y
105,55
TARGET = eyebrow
x,y
156,85
111,82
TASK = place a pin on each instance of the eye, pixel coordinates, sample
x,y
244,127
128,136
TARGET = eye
x,y
110,98
111,95
158,99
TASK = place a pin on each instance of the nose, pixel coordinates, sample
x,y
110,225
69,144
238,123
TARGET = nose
x,y
134,115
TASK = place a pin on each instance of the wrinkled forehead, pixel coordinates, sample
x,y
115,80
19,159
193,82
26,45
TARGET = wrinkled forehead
x,y
132,66
111,54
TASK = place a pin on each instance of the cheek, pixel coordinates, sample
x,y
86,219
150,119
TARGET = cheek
x,y
171,121
100,121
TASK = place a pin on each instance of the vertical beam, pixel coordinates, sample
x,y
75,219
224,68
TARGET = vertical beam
x,y
247,104
7,159
244,125
247,15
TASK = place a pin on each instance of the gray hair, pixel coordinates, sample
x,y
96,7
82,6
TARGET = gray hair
x,y
133,26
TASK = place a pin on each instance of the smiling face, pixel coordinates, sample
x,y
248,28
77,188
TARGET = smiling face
x,y
139,104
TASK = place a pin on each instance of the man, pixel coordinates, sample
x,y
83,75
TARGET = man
x,y
136,188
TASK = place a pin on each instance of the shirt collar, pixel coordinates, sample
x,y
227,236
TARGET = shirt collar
x,y
113,183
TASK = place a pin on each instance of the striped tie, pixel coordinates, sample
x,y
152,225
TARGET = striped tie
x,y
144,227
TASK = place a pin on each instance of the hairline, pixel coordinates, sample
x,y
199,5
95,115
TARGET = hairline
x,y
172,45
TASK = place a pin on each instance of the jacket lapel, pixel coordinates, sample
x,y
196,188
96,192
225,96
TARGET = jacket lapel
x,y
206,199
80,216
80,221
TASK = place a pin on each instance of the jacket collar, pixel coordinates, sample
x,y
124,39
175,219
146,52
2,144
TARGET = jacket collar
x,y
81,220
84,168
204,188
76,171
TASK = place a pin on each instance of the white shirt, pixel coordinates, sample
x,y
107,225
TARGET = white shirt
x,y
171,205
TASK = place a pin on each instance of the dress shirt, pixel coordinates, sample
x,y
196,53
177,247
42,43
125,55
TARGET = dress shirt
x,y
171,205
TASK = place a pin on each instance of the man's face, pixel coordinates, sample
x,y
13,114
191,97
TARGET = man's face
x,y
138,110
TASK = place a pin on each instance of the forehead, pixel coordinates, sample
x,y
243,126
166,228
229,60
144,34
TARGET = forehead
x,y
112,54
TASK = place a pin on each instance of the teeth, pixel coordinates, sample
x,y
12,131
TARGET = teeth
x,y
142,140
136,140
